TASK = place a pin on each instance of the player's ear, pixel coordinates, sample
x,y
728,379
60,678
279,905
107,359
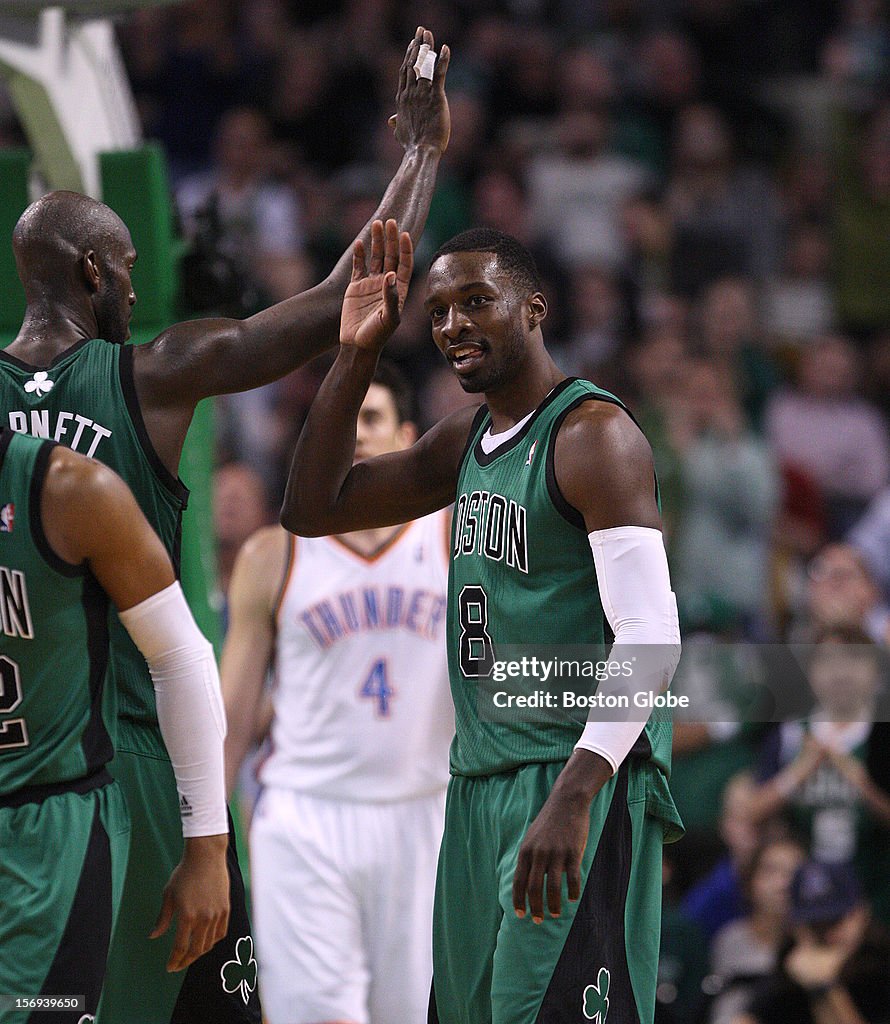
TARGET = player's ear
x,y
537,310
407,434
90,266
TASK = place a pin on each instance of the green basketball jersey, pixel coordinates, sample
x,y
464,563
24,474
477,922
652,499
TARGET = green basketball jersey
x,y
54,645
522,573
86,399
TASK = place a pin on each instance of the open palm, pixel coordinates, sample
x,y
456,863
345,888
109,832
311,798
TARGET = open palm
x,y
373,302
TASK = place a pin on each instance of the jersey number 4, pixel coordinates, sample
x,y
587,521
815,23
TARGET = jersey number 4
x,y
475,651
377,687
12,732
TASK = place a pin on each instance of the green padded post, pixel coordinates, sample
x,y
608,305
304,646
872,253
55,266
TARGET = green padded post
x,y
135,186
14,167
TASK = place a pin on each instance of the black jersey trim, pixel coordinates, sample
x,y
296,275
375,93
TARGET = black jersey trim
x,y
597,935
37,794
95,741
82,952
475,427
35,506
46,366
486,460
566,510
128,385
5,441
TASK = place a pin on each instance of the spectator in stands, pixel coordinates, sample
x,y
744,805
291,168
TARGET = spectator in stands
x,y
826,429
727,218
746,950
835,966
240,507
579,183
718,898
256,222
729,331
828,772
841,591
871,537
731,492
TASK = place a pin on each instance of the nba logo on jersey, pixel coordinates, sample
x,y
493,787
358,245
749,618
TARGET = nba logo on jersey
x,y
7,517
531,453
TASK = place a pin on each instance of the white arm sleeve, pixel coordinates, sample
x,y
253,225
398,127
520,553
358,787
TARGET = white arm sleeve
x,y
190,707
635,590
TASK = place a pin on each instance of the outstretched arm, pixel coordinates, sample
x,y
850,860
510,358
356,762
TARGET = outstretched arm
x,y
193,360
325,492
125,555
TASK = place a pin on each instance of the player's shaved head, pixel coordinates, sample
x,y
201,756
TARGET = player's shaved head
x,y
55,233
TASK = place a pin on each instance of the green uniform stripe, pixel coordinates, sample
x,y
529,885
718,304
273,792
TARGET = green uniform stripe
x,y
54,645
86,399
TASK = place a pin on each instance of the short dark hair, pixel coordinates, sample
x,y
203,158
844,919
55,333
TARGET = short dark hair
x,y
389,376
513,257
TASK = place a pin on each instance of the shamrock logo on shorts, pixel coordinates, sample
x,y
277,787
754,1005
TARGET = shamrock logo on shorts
x,y
40,383
240,974
596,998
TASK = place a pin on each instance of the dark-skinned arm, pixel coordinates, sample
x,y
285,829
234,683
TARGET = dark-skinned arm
x,y
199,358
613,489
125,555
325,493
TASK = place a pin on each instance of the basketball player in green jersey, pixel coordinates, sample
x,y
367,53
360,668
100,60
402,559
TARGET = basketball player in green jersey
x,y
131,408
71,538
556,530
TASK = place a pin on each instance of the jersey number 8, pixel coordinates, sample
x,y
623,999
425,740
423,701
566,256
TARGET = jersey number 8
x,y
476,653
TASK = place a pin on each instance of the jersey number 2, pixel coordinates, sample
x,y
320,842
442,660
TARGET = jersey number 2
x,y
12,732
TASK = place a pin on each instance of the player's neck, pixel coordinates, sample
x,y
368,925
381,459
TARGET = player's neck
x,y
49,330
523,393
369,543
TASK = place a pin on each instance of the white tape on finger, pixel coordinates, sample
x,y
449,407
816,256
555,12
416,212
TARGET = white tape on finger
x,y
425,63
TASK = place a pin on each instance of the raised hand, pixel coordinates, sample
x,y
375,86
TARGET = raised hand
x,y
374,300
422,117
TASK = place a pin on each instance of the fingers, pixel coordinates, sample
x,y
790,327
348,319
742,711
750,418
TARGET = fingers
x,y
573,875
358,260
390,246
164,917
391,313
532,876
554,891
377,244
520,882
406,264
196,936
408,63
186,945
442,67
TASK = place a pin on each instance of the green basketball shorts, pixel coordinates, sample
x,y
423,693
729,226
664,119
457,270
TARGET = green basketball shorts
x,y
599,959
221,986
62,863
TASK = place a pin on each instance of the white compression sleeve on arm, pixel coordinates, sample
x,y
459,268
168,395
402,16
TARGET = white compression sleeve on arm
x,y
190,708
635,590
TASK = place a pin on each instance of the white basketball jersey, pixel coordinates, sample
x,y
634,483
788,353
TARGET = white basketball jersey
x,y
362,703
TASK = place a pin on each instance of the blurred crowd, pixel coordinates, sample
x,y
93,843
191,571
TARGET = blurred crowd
x,y
705,186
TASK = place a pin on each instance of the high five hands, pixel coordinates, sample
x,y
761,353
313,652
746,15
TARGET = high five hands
x,y
422,117
374,300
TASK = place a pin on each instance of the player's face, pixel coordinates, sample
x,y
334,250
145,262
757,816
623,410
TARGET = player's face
x,y
479,320
115,298
378,430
